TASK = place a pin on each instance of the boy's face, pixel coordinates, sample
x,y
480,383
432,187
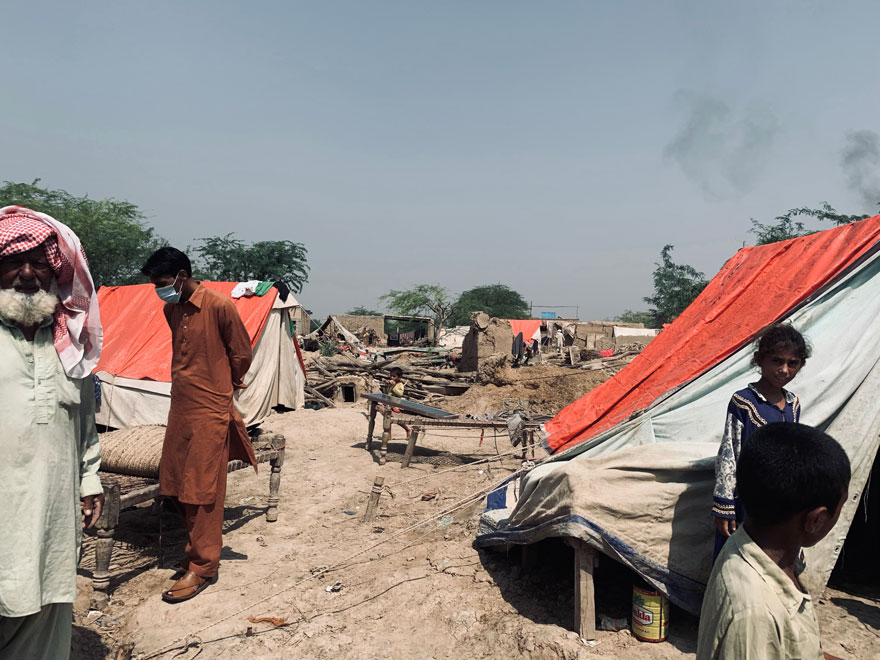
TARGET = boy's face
x,y
395,378
818,522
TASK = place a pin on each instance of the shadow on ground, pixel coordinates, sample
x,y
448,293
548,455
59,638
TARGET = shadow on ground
x,y
86,644
421,455
540,586
149,536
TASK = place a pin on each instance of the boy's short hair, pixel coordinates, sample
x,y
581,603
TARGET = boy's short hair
x,y
787,468
167,261
396,371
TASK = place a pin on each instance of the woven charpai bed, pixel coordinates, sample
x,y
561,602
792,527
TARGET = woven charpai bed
x,y
130,476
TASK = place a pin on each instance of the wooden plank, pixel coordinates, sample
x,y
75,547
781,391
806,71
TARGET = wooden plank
x,y
371,426
410,446
584,595
373,501
409,406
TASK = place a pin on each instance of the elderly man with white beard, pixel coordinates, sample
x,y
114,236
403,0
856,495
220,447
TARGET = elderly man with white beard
x,y
50,340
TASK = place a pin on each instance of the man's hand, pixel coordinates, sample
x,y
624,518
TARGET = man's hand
x,y
92,505
725,526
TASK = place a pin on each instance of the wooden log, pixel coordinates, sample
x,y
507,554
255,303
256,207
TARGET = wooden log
x,y
373,501
105,531
410,446
386,434
319,365
584,594
371,425
274,486
319,396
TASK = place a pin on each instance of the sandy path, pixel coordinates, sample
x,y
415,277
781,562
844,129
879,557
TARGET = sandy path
x,y
425,593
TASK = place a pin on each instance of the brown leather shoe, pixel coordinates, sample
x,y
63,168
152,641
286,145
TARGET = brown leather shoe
x,y
189,586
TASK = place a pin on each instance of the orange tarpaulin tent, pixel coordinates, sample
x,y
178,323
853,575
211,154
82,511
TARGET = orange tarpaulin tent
x,y
135,367
757,286
137,340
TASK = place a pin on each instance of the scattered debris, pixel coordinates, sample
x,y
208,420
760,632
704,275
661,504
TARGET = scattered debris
x,y
614,625
276,621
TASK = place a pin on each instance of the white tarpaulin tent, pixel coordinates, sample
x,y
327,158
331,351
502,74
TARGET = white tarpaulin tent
x,y
138,342
641,491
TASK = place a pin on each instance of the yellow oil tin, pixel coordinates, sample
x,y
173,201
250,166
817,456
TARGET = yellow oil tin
x,y
650,615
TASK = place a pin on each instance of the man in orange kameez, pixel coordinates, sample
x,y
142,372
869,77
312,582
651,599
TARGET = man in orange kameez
x,y
211,353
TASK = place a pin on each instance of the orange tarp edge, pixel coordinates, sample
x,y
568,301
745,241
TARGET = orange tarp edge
x,y
757,286
525,326
137,340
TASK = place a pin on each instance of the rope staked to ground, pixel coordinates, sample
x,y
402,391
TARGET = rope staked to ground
x,y
181,642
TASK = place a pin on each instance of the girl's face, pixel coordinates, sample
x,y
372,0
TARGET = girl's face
x,y
779,366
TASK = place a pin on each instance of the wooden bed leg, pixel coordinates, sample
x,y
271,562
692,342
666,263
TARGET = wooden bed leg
x,y
373,502
105,530
410,446
386,435
274,486
584,596
371,426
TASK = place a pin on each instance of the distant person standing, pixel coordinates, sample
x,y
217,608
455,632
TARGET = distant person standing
x,y
211,352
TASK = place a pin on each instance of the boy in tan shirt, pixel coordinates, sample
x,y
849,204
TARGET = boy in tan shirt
x,y
792,481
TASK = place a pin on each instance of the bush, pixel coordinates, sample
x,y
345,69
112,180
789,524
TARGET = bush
x,y
328,349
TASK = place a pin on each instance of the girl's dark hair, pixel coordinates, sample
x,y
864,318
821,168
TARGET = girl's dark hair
x,y
782,336
396,371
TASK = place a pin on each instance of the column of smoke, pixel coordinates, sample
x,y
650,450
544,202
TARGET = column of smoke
x,y
721,148
861,165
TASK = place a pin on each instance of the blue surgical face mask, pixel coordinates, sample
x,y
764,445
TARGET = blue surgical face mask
x,y
168,293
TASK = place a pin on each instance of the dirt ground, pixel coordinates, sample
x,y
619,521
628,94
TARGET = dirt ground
x,y
410,584
541,390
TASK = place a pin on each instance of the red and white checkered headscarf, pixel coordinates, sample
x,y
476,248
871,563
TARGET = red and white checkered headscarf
x,y
78,335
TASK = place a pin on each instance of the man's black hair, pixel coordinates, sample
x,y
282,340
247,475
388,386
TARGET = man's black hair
x,y
396,371
167,261
787,468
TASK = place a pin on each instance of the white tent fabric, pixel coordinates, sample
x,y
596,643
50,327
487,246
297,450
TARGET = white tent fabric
x,y
274,378
837,388
623,331
453,338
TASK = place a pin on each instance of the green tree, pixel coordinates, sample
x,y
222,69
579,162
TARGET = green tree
x,y
363,311
113,234
629,316
675,287
789,225
229,259
421,300
496,300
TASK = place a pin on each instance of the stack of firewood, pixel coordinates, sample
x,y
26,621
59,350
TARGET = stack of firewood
x,y
326,375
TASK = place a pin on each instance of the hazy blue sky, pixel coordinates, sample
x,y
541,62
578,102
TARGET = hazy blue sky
x,y
551,146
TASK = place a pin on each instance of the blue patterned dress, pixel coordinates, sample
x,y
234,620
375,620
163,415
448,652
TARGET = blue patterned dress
x,y
747,411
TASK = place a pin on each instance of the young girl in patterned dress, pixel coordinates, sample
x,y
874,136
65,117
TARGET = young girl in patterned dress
x,y
780,354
